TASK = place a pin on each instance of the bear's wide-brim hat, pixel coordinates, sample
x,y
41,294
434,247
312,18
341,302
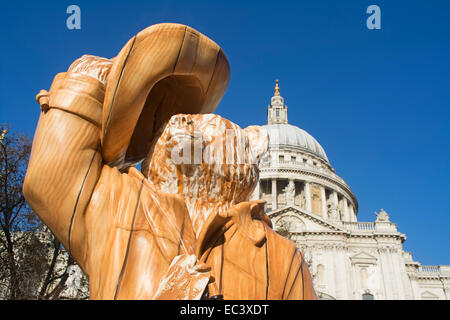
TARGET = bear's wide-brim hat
x,y
164,70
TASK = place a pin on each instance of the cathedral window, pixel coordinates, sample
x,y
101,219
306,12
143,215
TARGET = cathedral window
x,y
367,296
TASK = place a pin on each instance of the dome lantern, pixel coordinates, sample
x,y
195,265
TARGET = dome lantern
x,y
277,110
295,173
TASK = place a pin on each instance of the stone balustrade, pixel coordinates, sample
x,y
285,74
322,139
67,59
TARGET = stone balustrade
x,y
429,269
360,226
385,227
371,227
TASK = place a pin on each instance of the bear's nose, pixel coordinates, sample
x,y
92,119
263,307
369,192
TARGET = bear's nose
x,y
181,120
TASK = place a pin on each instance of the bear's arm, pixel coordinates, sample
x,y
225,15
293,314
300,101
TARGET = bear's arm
x,y
64,167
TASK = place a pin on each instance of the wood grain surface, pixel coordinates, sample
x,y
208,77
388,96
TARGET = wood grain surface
x,y
171,233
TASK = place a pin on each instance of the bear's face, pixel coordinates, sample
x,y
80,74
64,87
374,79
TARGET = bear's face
x,y
207,157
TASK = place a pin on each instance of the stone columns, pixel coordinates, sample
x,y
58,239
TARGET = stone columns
x,y
343,272
355,281
404,276
446,289
329,270
256,195
348,274
334,200
415,287
352,213
323,196
337,275
397,273
346,211
308,196
290,193
274,194
387,281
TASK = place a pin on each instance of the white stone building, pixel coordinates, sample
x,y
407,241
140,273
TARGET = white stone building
x,y
313,206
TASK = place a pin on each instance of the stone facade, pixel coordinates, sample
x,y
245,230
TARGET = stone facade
x,y
309,203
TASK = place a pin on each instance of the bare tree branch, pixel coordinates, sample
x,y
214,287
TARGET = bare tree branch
x,y
33,263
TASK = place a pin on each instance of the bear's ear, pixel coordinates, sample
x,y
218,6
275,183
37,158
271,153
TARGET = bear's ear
x,y
258,140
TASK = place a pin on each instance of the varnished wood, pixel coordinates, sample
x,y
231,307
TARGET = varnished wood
x,y
164,70
133,234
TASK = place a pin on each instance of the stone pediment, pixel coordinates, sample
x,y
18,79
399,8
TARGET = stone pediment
x,y
427,295
363,257
303,221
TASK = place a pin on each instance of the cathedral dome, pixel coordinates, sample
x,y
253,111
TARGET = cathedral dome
x,y
296,173
284,134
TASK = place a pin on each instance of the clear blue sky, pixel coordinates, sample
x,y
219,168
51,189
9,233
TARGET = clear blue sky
x,y
377,100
